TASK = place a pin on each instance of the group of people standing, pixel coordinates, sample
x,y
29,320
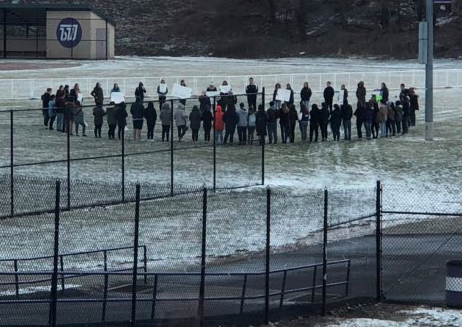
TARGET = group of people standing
x,y
378,116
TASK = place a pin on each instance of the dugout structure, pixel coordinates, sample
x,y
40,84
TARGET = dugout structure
x,y
55,31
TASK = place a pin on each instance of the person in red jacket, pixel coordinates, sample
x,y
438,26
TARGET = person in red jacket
x,y
218,125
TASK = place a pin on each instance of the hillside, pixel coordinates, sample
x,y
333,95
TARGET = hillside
x,y
275,28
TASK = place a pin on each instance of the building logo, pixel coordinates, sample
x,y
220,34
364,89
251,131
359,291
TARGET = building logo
x,y
69,32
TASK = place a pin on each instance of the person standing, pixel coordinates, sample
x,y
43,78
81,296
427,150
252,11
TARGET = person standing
x,y
75,93
137,112
230,119
223,101
69,115
115,88
360,118
368,117
384,92
305,95
181,120
383,111
79,119
45,105
314,122
218,125
345,94
272,118
242,124
261,119
347,114
121,116
413,105
398,116
165,119
52,111
111,120
98,95
328,97
195,118
252,125
361,94
60,108
251,90
284,122
335,122
375,127
98,114
404,99
391,126
291,98
207,119
204,102
324,121
162,91
140,91
277,103
303,120
293,118
183,101
151,117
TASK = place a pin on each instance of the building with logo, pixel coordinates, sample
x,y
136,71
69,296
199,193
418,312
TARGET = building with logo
x,y
55,31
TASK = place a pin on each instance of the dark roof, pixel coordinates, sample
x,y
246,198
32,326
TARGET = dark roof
x,y
35,13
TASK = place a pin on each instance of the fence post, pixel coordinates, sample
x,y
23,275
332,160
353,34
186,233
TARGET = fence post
x,y
123,164
135,254
203,257
378,240
324,254
267,261
263,144
171,150
54,279
11,164
68,122
214,146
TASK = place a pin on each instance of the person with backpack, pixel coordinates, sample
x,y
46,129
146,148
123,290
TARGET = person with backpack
x,y
252,124
207,119
218,125
137,112
98,114
305,95
271,123
181,120
230,119
151,117
166,119
98,95
303,120
242,124
195,118
111,120
52,111
251,90
328,97
46,105
324,116
314,122
121,117
335,122
347,114
261,119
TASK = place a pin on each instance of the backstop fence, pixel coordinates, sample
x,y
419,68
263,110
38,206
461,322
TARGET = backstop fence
x,y
251,254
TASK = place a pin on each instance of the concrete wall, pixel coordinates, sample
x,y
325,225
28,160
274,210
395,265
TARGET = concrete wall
x,y
87,48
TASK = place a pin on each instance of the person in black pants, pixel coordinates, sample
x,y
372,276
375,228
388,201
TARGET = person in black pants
x,y
293,118
151,117
231,119
324,120
329,96
314,122
207,119
251,90
121,116
45,105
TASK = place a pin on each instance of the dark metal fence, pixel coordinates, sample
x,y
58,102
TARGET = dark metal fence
x,y
166,168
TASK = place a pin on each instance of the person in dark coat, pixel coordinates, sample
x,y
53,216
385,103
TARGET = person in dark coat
x,y
291,99
195,118
335,122
207,119
303,121
45,105
98,113
368,119
139,92
111,120
230,119
305,95
261,119
314,122
359,113
151,117
251,90
293,118
347,113
361,94
413,105
404,100
284,122
329,97
162,93
271,123
324,120
204,102
223,100
384,92
137,111
98,95
121,117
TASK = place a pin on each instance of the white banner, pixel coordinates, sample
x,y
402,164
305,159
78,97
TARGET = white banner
x,y
283,95
212,93
341,96
162,88
117,97
181,92
225,88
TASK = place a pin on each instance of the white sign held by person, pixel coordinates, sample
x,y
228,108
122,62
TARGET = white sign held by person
x,y
283,95
80,98
212,94
225,88
181,92
162,88
341,96
117,97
